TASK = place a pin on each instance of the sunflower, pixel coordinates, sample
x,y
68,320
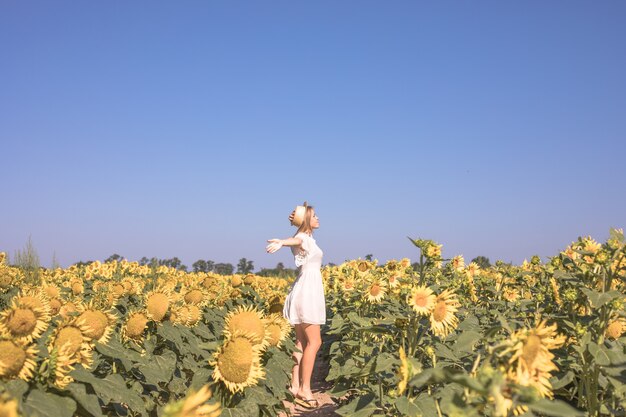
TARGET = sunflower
x,y
531,362
34,298
590,245
77,286
60,364
196,296
187,315
375,291
348,284
616,328
55,306
195,315
237,362
442,319
249,279
17,360
3,258
9,407
117,289
69,337
422,300
51,291
179,314
249,320
457,263
555,291
209,281
158,302
278,328
236,281
24,321
393,280
364,267
6,278
134,326
275,302
132,286
433,250
510,294
405,372
193,405
99,324
69,308
472,269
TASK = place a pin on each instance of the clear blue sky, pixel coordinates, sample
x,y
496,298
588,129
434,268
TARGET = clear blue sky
x,y
192,129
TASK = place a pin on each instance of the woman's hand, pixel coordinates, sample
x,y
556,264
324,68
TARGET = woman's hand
x,y
274,245
291,216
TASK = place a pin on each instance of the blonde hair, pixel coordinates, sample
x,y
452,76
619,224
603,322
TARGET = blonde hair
x,y
305,227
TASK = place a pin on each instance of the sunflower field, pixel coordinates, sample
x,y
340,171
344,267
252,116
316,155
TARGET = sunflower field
x,y
449,339
435,338
120,339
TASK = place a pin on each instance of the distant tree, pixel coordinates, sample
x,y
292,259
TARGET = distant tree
x,y
55,263
224,268
173,263
279,272
83,263
369,257
245,266
482,261
210,266
331,264
199,266
114,257
144,261
28,260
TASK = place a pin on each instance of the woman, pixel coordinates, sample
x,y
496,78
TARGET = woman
x,y
305,306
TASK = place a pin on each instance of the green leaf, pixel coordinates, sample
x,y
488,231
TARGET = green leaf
x,y
408,408
466,340
171,333
200,378
599,354
17,388
384,362
44,404
426,404
340,388
89,402
114,349
443,351
360,407
158,368
233,412
555,408
422,378
598,299
112,389
567,378
276,377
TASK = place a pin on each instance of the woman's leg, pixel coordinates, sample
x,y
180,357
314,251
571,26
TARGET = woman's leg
x,y
313,343
297,357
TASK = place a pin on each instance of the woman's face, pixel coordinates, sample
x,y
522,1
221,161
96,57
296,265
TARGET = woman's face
x,y
315,222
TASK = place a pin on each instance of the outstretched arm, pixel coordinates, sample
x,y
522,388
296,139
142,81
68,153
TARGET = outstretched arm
x,y
275,244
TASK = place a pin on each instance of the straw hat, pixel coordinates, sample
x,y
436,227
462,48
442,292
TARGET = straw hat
x,y
298,215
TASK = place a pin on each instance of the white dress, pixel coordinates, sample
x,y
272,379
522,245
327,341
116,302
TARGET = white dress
x,y
305,302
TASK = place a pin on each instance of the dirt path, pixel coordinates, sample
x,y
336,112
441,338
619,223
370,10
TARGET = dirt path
x,y
319,386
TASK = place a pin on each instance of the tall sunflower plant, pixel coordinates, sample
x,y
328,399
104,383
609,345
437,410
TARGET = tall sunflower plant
x,y
128,340
533,339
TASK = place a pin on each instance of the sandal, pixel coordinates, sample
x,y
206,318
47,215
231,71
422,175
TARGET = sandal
x,y
308,404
